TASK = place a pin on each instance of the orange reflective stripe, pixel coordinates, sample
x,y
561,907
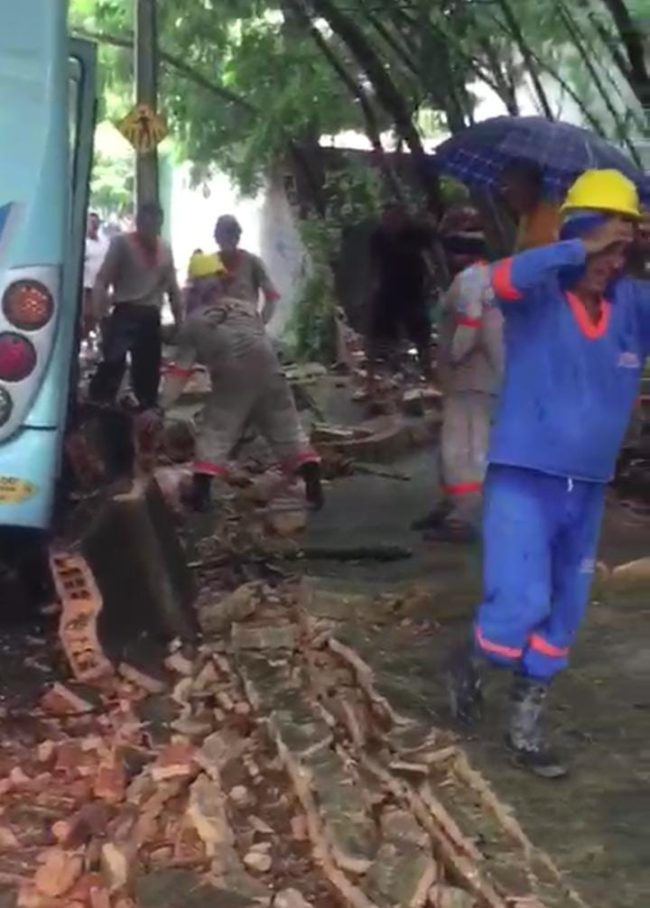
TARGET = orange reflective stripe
x,y
592,330
465,488
502,281
209,469
468,322
548,649
508,652
178,371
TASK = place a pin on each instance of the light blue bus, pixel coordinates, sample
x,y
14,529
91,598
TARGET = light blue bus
x,y
47,113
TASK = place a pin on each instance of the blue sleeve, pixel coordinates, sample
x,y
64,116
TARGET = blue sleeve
x,y
512,278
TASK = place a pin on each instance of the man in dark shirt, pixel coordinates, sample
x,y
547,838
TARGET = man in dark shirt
x,y
398,303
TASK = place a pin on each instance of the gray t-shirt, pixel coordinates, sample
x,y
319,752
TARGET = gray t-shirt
x,y
136,274
246,278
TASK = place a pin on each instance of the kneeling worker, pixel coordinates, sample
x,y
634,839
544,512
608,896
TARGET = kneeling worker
x,y
577,333
228,337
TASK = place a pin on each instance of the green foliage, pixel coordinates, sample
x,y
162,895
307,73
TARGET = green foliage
x,y
244,81
112,184
353,192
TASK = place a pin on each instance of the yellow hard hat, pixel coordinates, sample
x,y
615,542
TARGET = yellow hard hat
x,y
205,265
604,190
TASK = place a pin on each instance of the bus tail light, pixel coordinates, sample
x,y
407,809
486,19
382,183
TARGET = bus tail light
x,y
27,305
17,357
6,406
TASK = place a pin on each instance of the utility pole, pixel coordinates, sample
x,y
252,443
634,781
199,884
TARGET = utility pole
x,y
146,81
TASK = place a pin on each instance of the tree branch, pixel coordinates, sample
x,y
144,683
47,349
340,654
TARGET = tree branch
x,y
574,34
357,91
385,89
175,63
514,28
632,40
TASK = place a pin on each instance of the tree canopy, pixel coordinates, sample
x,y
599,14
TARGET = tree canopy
x,y
245,82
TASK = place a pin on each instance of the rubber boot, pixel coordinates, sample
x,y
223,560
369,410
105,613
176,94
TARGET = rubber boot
x,y
311,474
525,735
458,532
200,496
434,518
465,685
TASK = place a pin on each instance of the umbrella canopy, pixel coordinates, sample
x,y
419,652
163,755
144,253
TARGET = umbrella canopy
x,y
478,155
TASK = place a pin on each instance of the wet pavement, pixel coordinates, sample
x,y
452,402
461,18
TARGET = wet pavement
x,y
596,823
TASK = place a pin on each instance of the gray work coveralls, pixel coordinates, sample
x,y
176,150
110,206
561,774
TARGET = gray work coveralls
x,y
471,360
228,337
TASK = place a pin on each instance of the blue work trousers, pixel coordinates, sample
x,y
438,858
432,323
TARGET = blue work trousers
x,y
540,538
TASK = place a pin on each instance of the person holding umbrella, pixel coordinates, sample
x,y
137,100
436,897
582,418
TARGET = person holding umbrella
x,y
530,161
538,219
577,333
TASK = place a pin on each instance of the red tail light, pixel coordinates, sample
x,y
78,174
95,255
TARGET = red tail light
x,y
6,406
17,357
28,305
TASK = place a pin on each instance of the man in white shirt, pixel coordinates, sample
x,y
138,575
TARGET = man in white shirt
x,y
96,249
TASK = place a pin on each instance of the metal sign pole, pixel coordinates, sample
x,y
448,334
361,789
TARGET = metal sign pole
x,y
146,79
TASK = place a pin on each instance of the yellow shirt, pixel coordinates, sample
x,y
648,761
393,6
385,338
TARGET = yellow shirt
x,y
539,228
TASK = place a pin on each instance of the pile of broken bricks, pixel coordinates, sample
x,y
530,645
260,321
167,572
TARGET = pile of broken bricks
x,y
262,767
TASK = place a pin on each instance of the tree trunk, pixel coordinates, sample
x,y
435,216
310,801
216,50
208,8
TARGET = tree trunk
x,y
575,36
514,28
631,38
357,91
387,93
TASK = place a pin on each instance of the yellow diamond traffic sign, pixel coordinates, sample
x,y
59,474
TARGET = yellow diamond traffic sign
x,y
143,128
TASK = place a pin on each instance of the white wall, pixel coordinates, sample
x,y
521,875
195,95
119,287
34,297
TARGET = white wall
x,y
267,222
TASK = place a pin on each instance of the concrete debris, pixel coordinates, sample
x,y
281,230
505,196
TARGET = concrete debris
x,y
175,761
257,861
207,813
264,637
110,783
217,617
270,782
218,750
115,866
8,839
140,679
451,897
58,872
290,898
178,663
61,701
240,796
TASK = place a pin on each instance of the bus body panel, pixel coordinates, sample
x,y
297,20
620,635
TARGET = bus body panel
x,y
50,406
45,189
34,126
27,463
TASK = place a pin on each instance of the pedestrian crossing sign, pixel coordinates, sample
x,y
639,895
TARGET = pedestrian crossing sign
x,y
143,128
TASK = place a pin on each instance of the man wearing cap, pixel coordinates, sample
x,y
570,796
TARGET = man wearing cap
x,y
577,333
245,276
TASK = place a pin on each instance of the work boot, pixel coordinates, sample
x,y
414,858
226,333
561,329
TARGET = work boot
x,y
200,499
434,518
465,686
525,735
457,532
311,474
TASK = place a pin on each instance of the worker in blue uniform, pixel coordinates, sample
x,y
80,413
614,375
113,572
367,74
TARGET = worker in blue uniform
x,y
577,333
